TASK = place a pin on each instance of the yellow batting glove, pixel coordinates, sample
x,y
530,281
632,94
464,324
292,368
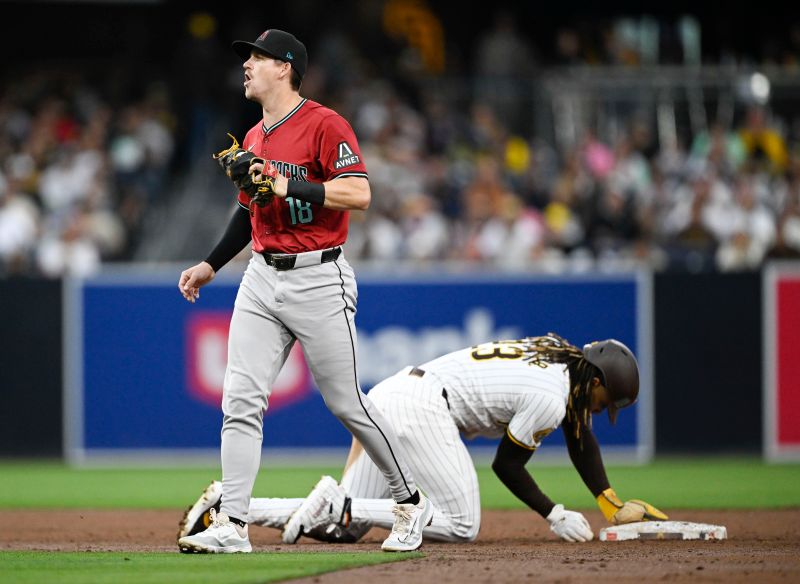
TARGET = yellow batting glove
x,y
635,510
609,504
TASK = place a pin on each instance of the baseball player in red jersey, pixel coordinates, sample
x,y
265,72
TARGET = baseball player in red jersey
x,y
297,287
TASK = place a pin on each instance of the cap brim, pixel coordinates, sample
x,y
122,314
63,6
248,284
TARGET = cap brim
x,y
243,49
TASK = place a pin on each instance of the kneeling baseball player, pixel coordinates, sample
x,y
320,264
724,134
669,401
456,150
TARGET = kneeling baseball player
x,y
521,390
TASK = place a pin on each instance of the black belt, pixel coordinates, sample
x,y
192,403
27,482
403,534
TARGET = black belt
x,y
417,372
285,261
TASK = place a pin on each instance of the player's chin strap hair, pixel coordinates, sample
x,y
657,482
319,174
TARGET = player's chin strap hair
x,y
552,348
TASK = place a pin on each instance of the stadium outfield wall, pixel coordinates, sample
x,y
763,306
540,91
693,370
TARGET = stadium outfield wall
x,y
144,368
142,351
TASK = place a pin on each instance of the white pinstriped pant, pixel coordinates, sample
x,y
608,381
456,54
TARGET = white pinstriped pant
x,y
431,445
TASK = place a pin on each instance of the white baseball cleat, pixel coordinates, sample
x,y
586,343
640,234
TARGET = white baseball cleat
x,y
326,503
409,521
222,537
197,517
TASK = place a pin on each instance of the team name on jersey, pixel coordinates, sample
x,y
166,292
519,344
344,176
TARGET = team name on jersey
x,y
291,171
346,156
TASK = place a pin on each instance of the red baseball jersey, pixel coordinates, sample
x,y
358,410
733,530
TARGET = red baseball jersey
x,y
311,143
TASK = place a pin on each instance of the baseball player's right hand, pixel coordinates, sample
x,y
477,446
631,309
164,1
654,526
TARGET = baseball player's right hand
x,y
193,279
569,525
261,172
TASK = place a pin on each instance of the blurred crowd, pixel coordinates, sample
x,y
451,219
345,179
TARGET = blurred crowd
x,y
454,178
447,188
471,184
77,173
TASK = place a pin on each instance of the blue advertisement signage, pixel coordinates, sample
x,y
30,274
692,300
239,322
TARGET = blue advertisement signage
x,y
147,366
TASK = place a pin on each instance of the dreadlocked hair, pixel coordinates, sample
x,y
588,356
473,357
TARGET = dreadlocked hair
x,y
542,351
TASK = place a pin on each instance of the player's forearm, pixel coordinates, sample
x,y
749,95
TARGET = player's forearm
x,y
236,236
509,466
347,194
522,485
587,459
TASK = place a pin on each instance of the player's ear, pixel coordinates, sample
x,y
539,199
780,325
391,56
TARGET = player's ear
x,y
595,381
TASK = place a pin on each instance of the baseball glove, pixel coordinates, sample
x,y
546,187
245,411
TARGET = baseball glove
x,y
633,511
236,162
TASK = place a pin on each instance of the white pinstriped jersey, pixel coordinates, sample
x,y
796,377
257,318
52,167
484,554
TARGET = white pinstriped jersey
x,y
491,389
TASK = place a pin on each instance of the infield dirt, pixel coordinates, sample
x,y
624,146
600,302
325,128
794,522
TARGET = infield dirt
x,y
513,546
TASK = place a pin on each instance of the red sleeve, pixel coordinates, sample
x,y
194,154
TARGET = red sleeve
x,y
339,153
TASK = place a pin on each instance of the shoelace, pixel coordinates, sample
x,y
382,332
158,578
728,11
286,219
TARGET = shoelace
x,y
217,521
402,523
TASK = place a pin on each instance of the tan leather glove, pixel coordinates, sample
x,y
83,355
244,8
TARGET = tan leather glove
x,y
617,513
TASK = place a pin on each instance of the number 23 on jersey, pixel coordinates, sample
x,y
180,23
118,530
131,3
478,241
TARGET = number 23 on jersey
x,y
497,350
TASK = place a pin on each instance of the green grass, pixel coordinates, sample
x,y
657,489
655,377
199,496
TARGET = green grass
x,y
32,485
120,568
679,483
668,483
703,483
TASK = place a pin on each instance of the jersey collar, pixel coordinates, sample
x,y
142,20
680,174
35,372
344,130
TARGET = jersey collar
x,y
283,120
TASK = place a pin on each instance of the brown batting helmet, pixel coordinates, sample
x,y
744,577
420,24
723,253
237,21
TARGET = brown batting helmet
x,y
620,372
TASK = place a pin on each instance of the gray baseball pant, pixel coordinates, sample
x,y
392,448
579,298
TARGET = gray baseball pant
x,y
316,305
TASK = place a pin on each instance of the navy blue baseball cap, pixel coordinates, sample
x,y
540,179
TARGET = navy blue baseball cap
x,y
278,44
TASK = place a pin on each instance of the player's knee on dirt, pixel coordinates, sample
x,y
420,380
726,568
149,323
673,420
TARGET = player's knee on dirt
x,y
467,531
463,538
453,531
